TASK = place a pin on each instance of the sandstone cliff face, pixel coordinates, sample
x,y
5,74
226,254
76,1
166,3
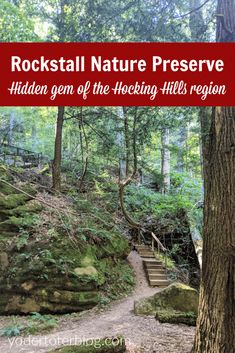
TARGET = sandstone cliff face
x,y
45,263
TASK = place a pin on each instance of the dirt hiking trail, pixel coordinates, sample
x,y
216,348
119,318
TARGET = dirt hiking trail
x,y
142,334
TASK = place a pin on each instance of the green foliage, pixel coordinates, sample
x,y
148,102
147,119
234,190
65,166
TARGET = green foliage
x,y
34,324
166,260
184,184
119,280
143,201
38,323
22,239
15,26
11,331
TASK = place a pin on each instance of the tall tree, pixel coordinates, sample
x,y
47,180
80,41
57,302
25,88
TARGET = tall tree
x,y
198,31
121,143
216,321
165,167
56,166
60,21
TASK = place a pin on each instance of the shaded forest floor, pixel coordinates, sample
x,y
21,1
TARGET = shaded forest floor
x,y
143,334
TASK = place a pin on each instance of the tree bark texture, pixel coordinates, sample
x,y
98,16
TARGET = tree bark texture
x,y
121,143
165,140
216,321
56,165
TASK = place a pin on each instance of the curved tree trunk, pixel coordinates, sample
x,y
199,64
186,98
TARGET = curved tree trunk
x,y
216,322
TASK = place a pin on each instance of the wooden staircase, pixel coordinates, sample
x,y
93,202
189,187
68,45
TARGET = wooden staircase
x,y
154,269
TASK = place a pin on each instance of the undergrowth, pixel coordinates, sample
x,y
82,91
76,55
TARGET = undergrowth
x,y
33,325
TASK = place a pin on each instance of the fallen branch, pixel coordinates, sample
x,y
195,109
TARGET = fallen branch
x,y
52,206
27,194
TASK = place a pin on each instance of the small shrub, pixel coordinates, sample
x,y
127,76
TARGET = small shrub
x,y
11,331
40,323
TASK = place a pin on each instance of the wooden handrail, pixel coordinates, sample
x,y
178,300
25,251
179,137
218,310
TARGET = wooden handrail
x,y
158,242
18,149
13,151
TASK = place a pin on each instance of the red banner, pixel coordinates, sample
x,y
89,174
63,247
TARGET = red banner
x,y
117,74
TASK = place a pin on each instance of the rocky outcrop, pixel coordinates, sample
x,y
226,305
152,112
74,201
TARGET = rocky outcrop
x,y
45,263
178,303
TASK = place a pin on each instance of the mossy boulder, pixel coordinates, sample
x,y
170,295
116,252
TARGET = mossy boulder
x,y
86,271
105,345
176,302
176,317
13,200
32,206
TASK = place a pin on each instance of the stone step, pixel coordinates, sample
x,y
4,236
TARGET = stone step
x,y
159,283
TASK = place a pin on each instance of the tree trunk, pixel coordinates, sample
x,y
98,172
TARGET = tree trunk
x,y
165,140
205,121
181,143
216,321
121,143
197,29
56,166
11,127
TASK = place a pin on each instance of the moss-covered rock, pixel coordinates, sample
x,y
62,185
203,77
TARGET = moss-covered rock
x,y
52,262
13,200
105,345
86,271
32,206
176,317
173,303
47,300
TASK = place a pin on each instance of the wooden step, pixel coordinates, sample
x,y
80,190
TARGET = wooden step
x,y
153,276
158,269
154,271
145,250
151,262
147,255
142,247
156,263
159,283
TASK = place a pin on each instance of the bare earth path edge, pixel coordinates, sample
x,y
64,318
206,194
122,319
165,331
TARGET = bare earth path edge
x,y
142,334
